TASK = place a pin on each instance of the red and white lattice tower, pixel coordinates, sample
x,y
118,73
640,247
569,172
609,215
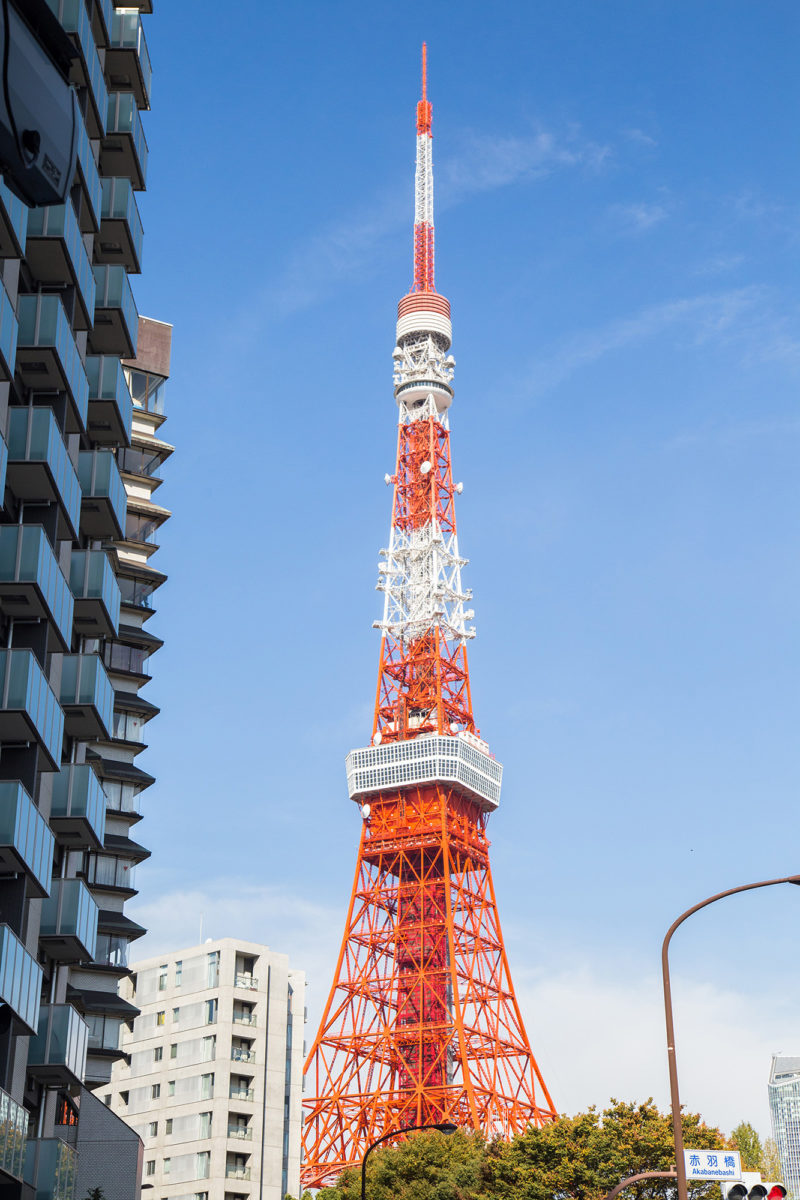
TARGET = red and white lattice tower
x,y
422,1024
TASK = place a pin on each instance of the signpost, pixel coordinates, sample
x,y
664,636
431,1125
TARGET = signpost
x,y
713,1164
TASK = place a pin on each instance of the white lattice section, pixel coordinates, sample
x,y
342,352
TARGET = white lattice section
x,y
423,181
429,758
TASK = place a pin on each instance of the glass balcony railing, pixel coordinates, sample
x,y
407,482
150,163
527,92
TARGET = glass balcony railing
x,y
9,329
87,697
121,233
3,465
243,979
244,1018
233,1172
47,355
69,921
243,1055
58,1052
26,840
240,1132
108,871
13,1135
55,251
39,466
50,1169
97,596
104,502
75,20
112,951
32,583
128,52
29,709
124,149
78,809
110,402
116,321
13,223
240,1093
20,979
104,1032
105,9
90,179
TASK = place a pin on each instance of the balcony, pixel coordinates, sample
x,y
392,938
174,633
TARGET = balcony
x,y
39,467
110,404
242,1055
244,980
32,585
20,979
104,501
244,1018
50,1169
57,1055
240,1093
47,356
108,871
124,148
29,710
232,1172
26,841
89,180
86,69
13,223
56,253
13,1136
116,321
104,11
9,331
121,231
240,1132
68,927
78,809
127,57
97,598
87,697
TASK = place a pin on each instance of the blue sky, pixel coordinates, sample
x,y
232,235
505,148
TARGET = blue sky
x,y
618,231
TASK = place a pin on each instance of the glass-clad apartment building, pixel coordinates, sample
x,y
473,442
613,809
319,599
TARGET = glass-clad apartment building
x,y
784,1109
81,408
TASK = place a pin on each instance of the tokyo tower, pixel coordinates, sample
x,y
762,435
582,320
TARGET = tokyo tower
x,y
422,1025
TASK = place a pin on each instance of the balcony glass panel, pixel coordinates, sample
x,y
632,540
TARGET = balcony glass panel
x,y
127,33
147,390
140,462
103,1032
112,951
43,323
84,682
24,690
16,214
99,478
78,798
34,436
74,19
106,870
91,577
70,914
50,1168
90,175
137,593
20,979
26,557
60,1041
59,221
3,465
114,291
13,1135
119,204
123,118
107,383
8,334
25,835
122,797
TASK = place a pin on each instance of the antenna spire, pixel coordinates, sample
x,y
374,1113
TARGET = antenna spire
x,y
423,190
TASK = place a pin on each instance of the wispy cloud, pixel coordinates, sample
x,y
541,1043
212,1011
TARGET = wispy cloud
x,y
640,137
731,435
350,248
638,217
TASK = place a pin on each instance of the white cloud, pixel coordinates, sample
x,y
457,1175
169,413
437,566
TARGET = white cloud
x,y
639,136
597,1030
636,218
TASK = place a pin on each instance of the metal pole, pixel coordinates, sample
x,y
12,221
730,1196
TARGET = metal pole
x,y
677,1128
443,1127
615,1191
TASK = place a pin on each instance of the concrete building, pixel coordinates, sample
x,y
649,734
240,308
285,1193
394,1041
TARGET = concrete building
x,y
784,1107
212,1080
81,402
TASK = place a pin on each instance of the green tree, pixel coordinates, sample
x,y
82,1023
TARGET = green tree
x,y
771,1167
574,1158
745,1139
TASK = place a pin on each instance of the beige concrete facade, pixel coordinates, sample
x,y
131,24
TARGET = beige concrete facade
x,y
214,1078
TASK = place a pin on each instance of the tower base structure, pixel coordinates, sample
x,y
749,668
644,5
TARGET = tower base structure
x,y
422,1025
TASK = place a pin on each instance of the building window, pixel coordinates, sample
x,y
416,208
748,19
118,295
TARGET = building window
x,y
178,972
161,1017
162,977
158,1053
173,1050
155,1091
204,1124
207,1086
150,1167
107,1099
176,1014
170,1087
152,1129
209,1048
168,1126
166,1166
203,1164
213,969
211,1011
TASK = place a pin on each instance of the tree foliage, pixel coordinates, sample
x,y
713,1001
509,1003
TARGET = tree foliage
x,y
574,1158
771,1167
745,1139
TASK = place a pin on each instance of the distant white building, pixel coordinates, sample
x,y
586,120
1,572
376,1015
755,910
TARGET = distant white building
x,y
784,1107
212,1078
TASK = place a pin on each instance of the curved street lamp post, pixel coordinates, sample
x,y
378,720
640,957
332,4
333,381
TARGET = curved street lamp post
x,y
443,1127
